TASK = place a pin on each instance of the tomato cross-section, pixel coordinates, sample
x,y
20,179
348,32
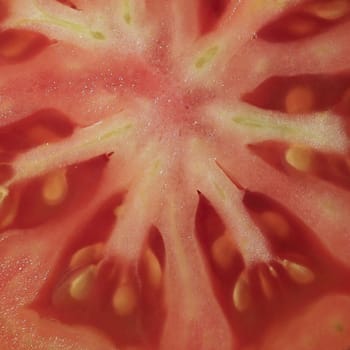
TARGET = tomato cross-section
x,y
174,174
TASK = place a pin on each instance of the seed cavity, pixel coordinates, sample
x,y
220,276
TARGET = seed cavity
x,y
299,99
124,300
241,296
153,269
16,44
298,273
55,188
81,286
68,3
275,223
223,252
90,254
39,134
299,157
329,10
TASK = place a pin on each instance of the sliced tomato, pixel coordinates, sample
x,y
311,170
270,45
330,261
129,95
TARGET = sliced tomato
x,y
174,174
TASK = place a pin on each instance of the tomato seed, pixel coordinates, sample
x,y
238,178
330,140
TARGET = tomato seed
x,y
81,286
272,271
88,255
275,224
329,10
8,208
3,193
153,269
39,134
124,300
302,27
241,295
298,273
55,187
222,252
299,99
299,157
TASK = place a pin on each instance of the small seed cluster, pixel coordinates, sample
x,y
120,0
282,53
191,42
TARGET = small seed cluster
x,y
308,19
82,286
262,281
53,191
242,292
